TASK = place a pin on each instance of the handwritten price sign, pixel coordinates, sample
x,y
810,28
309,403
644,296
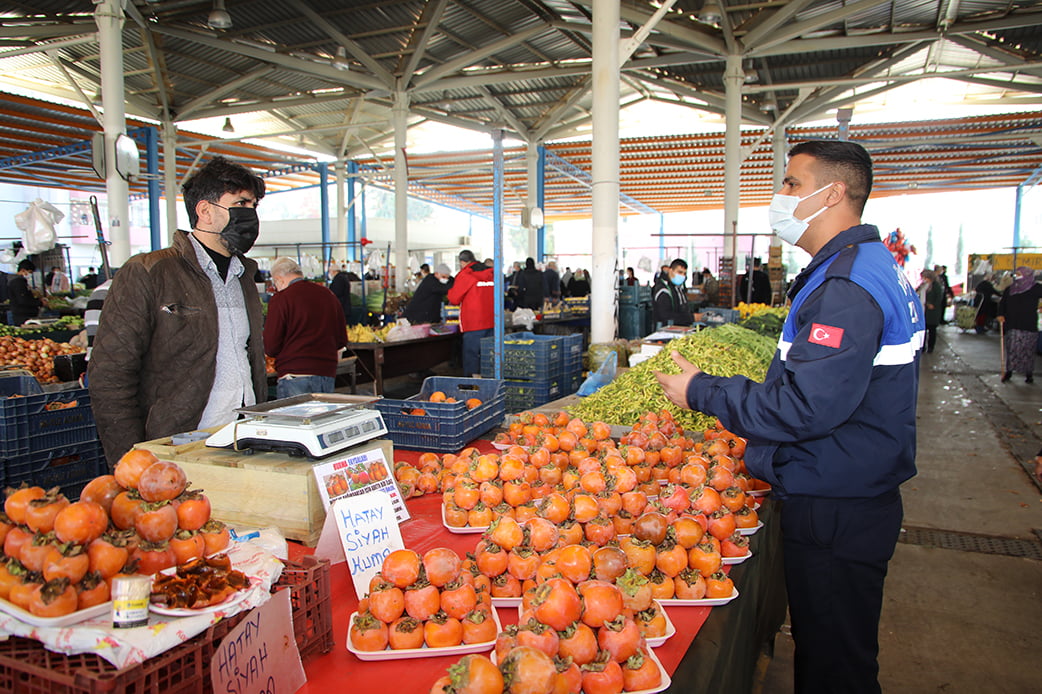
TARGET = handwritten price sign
x,y
368,530
260,656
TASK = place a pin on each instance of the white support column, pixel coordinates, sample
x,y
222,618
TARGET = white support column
x,y
109,17
733,79
170,189
400,113
532,196
605,169
339,175
778,142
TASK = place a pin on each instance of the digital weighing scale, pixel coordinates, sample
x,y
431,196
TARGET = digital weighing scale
x,y
313,424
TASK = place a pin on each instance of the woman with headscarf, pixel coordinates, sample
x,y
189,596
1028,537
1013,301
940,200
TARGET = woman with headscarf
x,y
1018,314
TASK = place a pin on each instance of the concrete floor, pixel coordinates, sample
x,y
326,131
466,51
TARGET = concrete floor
x,y
960,620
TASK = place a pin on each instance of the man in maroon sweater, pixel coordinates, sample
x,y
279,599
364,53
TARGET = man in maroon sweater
x,y
305,331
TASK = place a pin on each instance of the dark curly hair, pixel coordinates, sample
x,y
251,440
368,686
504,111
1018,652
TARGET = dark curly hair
x,y
218,177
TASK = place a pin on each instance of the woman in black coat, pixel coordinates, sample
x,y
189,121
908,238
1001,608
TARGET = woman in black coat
x,y
531,287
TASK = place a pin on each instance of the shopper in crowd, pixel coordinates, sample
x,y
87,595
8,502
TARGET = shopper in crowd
x,y
305,331
59,282
761,290
512,282
24,302
986,299
668,298
90,280
553,282
425,304
832,427
931,293
566,279
474,292
179,344
531,287
631,278
341,288
580,284
1018,314
710,287
663,271
425,270
941,274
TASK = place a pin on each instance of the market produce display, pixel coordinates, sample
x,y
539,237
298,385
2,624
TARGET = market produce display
x,y
60,557
727,350
763,319
363,333
63,323
35,355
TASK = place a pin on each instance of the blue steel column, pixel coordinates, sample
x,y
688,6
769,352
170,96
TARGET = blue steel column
x,y
540,201
323,198
152,168
497,247
352,226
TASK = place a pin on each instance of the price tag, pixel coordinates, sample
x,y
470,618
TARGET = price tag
x,y
359,472
260,656
368,532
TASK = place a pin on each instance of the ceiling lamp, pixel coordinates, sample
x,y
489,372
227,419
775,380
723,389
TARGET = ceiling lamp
x,y
228,127
340,61
219,17
711,13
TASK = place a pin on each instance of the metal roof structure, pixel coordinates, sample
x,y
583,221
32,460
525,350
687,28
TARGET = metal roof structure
x,y
324,74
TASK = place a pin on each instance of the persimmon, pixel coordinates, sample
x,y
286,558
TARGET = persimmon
x,y
584,508
17,502
652,621
101,490
651,527
507,533
569,677
475,674
21,594
602,602
442,631
578,642
570,533
602,676
130,467
491,493
621,637
542,535
528,670
81,522
746,518
640,554
505,586
126,506
41,512
635,589
479,626
55,598
473,403
405,633
623,522
705,499
437,396
687,531
517,492
108,554
719,585
11,574
458,598
554,508
575,563
215,535
162,481
66,560
557,603
481,516
491,559
368,633
721,524
401,567
671,558
522,563
506,640
34,553
92,590
152,557
193,510
157,521
17,537
455,517
737,545
689,584
386,601
704,558
187,545
640,673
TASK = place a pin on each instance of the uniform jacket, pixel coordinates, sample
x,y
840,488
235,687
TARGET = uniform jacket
x,y
474,291
154,357
835,416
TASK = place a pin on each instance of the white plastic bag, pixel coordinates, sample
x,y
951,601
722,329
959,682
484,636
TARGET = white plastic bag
x,y
525,317
271,539
37,223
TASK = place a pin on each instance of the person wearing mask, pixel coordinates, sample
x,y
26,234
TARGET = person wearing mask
x,y
90,280
1018,316
179,344
425,304
305,331
832,427
580,284
23,301
59,283
474,292
531,287
552,282
669,301
931,292
631,279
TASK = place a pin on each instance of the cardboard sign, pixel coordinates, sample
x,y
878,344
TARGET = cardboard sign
x,y
359,472
368,532
260,656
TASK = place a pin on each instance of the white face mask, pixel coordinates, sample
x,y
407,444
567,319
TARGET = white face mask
x,y
443,280
780,215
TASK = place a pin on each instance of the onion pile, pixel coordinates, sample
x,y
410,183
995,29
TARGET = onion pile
x,y
35,355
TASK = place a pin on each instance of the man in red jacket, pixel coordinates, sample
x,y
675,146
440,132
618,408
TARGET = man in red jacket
x,y
474,292
305,331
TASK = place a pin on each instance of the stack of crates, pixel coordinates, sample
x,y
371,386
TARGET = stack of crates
x,y
533,366
634,311
47,439
572,369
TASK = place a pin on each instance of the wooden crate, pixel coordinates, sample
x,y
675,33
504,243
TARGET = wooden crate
x,y
258,490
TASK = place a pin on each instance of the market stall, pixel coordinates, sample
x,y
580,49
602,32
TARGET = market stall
x,y
378,361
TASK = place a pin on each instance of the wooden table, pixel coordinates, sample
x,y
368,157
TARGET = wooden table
x,y
380,360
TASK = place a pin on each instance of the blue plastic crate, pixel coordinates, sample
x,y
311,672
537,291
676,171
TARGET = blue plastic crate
x,y
444,427
32,421
571,383
67,467
713,315
573,346
525,356
523,395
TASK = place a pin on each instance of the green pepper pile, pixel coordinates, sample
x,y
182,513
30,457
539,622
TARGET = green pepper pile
x,y
728,350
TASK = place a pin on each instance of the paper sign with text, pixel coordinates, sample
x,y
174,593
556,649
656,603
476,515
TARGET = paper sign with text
x,y
368,531
260,656
358,472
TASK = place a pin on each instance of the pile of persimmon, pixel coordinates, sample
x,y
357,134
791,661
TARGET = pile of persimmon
x,y
438,397
436,600
60,556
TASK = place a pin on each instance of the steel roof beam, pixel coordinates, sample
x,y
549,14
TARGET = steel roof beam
x,y
431,75
155,57
1008,58
215,94
794,30
44,31
417,48
1035,88
695,38
771,22
382,74
265,104
552,117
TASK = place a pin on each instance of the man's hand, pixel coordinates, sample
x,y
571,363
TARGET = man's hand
x,y
675,385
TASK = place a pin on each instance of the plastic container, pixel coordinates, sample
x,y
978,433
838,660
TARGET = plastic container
x,y
32,420
311,602
525,356
443,426
67,467
524,395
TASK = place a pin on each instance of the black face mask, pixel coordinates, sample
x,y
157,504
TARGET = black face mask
x,y
241,231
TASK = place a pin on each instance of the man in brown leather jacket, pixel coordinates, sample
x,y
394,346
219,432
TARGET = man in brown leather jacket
x,y
180,344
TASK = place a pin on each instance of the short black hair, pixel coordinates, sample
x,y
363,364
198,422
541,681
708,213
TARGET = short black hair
x,y
26,264
844,161
679,263
218,177
466,256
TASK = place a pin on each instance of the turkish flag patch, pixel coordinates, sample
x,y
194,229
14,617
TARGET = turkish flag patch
x,y
825,335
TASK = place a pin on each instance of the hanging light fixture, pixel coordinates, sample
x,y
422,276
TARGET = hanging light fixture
x,y
711,13
340,61
219,17
228,127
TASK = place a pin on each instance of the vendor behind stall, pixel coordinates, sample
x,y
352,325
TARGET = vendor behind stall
x,y
179,344
24,303
425,304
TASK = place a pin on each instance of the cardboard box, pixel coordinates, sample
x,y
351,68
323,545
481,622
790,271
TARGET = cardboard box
x,y
259,490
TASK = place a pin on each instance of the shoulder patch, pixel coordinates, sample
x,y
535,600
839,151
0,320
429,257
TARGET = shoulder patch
x,y
826,335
